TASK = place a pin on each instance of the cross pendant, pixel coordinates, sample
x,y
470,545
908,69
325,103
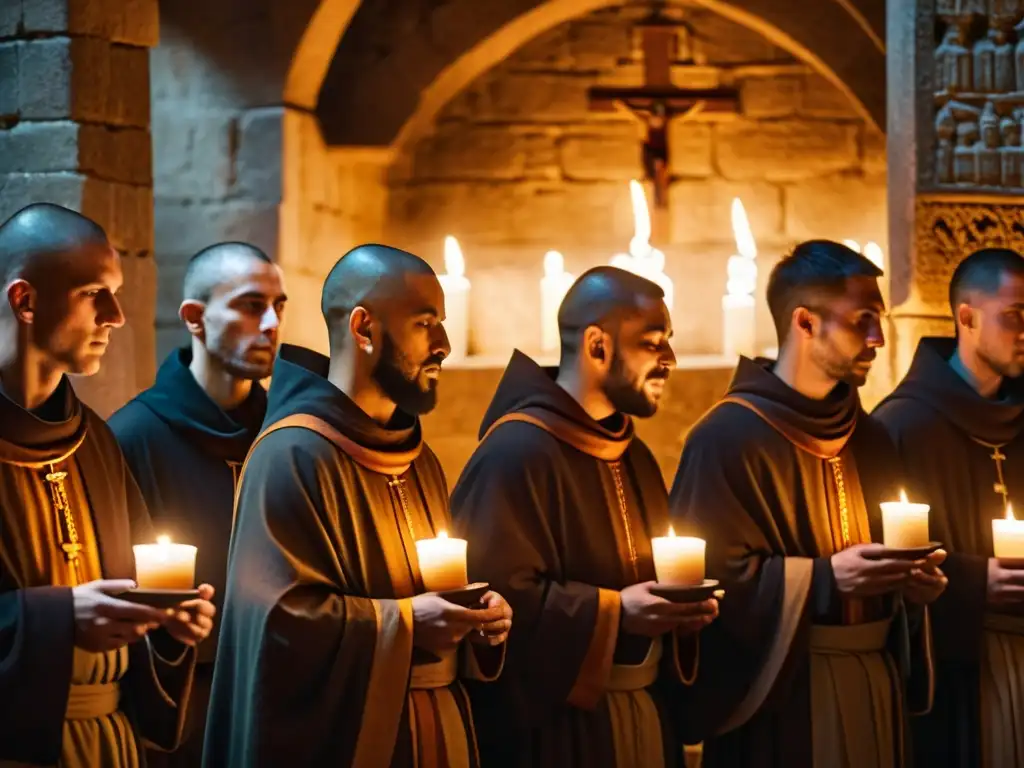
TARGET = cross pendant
x,y
395,481
71,551
998,455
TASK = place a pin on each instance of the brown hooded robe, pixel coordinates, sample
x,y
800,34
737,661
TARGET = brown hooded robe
x,y
58,703
792,674
964,456
559,511
316,664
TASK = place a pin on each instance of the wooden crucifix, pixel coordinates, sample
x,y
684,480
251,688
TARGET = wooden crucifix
x,y
655,103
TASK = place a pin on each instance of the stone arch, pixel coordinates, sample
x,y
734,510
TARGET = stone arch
x,y
843,39
315,50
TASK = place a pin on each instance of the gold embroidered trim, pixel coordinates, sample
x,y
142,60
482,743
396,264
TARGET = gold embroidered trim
x,y
620,491
844,514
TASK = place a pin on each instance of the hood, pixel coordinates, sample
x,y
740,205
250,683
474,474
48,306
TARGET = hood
x,y
933,382
300,387
529,393
178,400
821,427
50,433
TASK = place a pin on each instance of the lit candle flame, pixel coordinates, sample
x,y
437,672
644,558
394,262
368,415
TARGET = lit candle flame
x,y
671,531
163,541
873,252
454,263
442,535
554,264
1009,512
741,230
641,220
903,497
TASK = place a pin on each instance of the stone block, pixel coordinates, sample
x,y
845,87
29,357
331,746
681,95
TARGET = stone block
x,y
138,298
874,159
303,324
259,155
19,189
44,79
689,149
116,154
10,19
528,97
53,16
839,207
171,277
43,147
784,150
135,22
597,47
764,97
477,152
723,41
547,51
92,82
822,98
9,92
194,153
129,97
702,210
469,210
608,156
187,228
131,217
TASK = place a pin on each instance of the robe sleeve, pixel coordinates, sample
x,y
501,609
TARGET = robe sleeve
x,y
958,615
506,503
725,492
160,668
307,673
37,637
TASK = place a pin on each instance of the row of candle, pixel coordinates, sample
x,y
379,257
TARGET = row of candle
x,y
678,560
738,316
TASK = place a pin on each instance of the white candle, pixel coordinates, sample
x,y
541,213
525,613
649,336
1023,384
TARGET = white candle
x,y
165,565
456,299
904,525
442,562
1008,536
644,259
872,251
678,559
553,287
739,325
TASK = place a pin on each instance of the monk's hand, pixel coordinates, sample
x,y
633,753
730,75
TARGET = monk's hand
x,y
649,615
1005,581
863,571
439,626
105,623
927,581
192,621
493,632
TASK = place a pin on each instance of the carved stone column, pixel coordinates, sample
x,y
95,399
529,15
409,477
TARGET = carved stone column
x,y
946,202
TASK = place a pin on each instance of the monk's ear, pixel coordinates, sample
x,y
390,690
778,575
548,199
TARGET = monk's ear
x,y
804,322
191,313
22,298
360,326
965,316
596,346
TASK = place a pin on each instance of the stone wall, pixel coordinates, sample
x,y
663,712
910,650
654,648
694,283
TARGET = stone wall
x,y
517,165
74,130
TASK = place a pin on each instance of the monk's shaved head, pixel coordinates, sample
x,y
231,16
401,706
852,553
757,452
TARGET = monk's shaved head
x,y
215,265
365,275
34,239
600,296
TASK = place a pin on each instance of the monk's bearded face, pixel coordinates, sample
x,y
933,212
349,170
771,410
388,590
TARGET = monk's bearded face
x,y
410,384
638,373
242,320
849,333
998,327
76,309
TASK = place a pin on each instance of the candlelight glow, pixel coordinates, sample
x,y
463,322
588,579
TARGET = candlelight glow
x,y
454,263
873,252
442,535
903,497
853,245
554,264
644,259
671,531
741,230
641,218
1009,512
163,541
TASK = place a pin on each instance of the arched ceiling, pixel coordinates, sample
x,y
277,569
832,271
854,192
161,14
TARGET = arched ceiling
x,y
399,61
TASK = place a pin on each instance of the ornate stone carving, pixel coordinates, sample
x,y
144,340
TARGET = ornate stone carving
x,y
979,89
948,231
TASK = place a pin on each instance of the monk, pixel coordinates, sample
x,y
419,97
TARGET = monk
x,y
332,651
85,676
823,639
185,438
958,421
559,504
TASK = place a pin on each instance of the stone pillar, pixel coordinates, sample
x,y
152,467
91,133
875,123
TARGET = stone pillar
x,y
953,142
74,130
